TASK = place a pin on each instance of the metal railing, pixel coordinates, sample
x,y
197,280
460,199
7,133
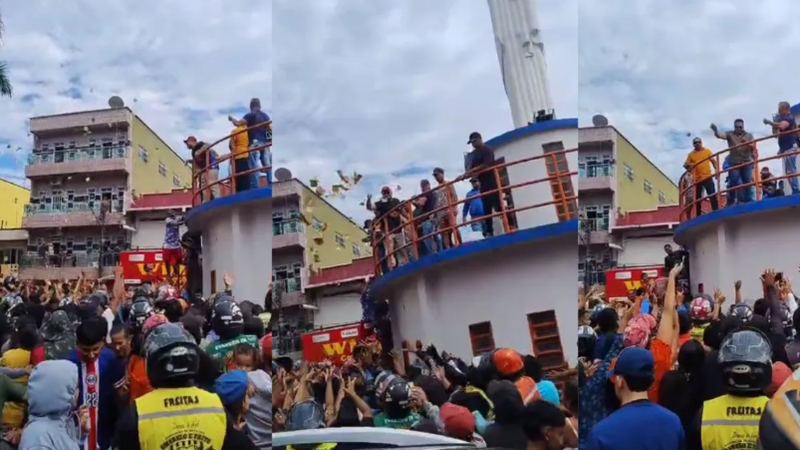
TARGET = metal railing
x,y
43,208
78,154
389,252
287,227
289,284
691,206
595,170
30,260
207,185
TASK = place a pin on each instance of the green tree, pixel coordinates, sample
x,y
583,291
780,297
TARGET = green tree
x,y
5,83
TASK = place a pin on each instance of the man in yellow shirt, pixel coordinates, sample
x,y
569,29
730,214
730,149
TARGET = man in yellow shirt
x,y
239,147
700,161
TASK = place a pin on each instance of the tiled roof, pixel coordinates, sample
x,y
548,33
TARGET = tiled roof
x,y
660,215
359,268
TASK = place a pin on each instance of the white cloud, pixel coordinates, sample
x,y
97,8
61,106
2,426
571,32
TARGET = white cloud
x,y
179,65
664,71
393,89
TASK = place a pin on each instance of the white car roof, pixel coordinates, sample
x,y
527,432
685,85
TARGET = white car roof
x,y
380,436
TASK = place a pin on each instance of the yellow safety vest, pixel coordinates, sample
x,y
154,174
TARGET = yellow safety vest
x,y
319,447
731,422
180,418
475,390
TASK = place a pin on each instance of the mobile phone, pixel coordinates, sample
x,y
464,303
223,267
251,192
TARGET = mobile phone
x,y
779,276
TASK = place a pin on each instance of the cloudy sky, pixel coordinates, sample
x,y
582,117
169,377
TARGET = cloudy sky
x,y
393,89
664,71
182,68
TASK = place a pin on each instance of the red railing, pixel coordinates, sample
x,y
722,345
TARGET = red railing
x,y
687,185
206,183
445,216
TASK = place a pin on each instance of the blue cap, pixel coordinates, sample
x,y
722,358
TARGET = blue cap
x,y
633,361
232,386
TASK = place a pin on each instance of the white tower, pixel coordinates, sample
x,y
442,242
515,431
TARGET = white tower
x,y
520,52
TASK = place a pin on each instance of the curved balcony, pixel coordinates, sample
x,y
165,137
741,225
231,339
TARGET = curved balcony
x,y
522,204
750,185
248,171
81,160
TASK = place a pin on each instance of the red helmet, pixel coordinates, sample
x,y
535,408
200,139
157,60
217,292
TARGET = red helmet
x,y
701,309
266,346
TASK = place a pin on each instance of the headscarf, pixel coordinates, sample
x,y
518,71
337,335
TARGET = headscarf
x,y
637,333
152,322
58,334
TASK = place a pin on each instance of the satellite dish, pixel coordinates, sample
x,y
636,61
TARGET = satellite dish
x,y
116,102
600,120
283,174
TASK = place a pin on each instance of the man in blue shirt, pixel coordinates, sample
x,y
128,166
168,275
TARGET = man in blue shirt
x,y
473,206
638,424
787,142
259,136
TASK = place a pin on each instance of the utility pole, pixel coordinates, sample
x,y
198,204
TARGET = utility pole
x,y
277,306
585,239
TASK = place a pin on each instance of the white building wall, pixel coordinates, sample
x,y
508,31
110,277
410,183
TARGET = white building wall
x,y
337,309
149,232
535,170
502,286
741,248
639,251
238,240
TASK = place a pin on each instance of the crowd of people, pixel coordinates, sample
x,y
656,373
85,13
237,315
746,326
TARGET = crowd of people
x,y
92,366
665,369
431,218
737,165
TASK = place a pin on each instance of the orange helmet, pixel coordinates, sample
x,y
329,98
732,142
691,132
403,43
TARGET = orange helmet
x,y
780,427
507,362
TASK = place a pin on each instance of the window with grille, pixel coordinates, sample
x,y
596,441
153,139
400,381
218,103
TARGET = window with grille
x,y
162,169
143,153
628,171
176,180
546,340
648,187
356,250
561,182
662,198
339,239
481,337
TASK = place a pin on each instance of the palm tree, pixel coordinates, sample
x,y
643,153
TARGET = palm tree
x,y
5,84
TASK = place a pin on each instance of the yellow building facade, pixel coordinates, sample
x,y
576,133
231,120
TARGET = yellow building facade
x,y
640,183
332,239
157,168
13,199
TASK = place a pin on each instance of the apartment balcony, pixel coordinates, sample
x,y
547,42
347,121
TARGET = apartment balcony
x,y
34,267
288,234
595,237
98,120
596,134
71,215
292,292
82,160
287,189
596,177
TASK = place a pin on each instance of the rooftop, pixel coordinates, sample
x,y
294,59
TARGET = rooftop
x,y
176,199
661,216
3,180
359,269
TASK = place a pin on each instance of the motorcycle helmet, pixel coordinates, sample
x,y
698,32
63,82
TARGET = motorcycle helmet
x,y
743,311
396,398
171,354
11,282
701,309
745,358
779,428
507,363
305,415
98,299
227,319
786,320
587,340
140,311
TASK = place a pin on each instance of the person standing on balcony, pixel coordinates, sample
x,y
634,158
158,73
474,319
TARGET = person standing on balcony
x,y
481,160
743,153
700,161
787,142
446,196
258,136
172,249
241,159
199,150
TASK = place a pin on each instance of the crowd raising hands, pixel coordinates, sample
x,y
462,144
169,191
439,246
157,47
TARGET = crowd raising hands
x,y
667,369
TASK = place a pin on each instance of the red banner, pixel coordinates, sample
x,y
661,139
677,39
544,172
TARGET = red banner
x,y
140,266
621,281
333,344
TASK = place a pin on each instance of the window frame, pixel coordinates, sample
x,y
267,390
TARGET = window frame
x,y
475,334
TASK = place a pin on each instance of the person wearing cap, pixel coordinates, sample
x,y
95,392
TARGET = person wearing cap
x,y
259,135
459,423
638,423
446,196
479,164
233,390
699,161
473,206
202,157
387,218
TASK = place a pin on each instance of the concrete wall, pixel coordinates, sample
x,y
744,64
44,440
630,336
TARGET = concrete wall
x,y
335,309
631,194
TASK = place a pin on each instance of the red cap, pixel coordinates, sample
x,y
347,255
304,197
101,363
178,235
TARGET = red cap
x,y
190,139
458,421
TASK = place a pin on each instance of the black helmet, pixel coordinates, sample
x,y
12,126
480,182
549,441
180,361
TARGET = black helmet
x,y
11,282
745,357
10,303
98,298
227,319
305,415
743,311
780,427
171,354
140,311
